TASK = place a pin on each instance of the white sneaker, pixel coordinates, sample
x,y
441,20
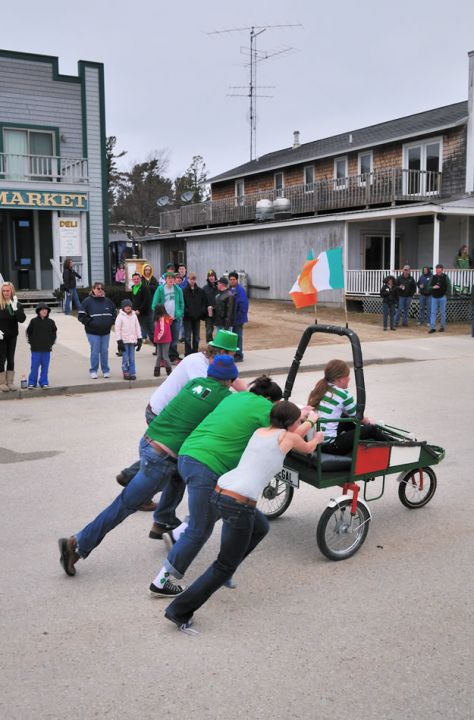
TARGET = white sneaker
x,y
93,375
106,375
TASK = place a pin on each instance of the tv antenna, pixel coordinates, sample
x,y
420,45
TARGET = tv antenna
x,y
255,56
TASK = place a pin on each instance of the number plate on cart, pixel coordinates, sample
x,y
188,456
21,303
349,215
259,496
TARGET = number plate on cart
x,y
290,477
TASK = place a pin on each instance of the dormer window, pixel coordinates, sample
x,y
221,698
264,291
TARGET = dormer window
x,y
340,173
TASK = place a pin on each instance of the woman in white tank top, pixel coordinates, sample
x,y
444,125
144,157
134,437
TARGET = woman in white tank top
x,y
235,499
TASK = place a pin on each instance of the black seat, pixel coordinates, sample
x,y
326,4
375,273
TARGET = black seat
x,y
329,463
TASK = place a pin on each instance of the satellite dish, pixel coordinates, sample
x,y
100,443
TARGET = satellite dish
x,y
187,196
162,201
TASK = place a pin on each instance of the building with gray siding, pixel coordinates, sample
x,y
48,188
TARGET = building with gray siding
x,y
53,192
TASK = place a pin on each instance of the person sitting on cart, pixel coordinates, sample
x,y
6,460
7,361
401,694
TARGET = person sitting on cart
x,y
331,398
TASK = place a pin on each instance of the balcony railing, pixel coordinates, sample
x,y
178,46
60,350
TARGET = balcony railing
x,y
369,282
44,168
380,187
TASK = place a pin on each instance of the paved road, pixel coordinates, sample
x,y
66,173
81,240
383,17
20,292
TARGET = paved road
x,y
387,634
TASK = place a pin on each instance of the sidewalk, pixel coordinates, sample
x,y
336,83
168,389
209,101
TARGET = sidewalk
x,y
69,370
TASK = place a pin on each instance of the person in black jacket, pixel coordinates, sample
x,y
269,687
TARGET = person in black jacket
x,y
406,289
11,313
98,315
210,292
389,295
69,282
194,310
440,288
141,304
224,312
41,334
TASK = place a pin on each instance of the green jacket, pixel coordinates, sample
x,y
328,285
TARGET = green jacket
x,y
159,299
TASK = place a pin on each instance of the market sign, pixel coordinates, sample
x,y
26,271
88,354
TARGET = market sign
x,y
41,200
69,237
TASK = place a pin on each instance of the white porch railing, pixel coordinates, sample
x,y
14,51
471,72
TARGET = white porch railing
x,y
369,282
47,168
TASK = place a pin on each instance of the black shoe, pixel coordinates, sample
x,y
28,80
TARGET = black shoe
x,y
431,331
122,479
441,329
182,624
238,359
169,589
119,354
156,372
69,556
157,530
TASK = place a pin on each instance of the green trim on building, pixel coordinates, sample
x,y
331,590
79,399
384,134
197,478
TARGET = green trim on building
x,y
48,59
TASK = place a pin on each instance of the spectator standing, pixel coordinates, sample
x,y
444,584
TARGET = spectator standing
x,y
171,296
41,335
241,306
224,312
440,287
141,304
149,279
162,338
120,275
11,313
69,282
128,333
424,308
97,314
406,289
389,295
210,292
169,267
462,259
194,311
183,278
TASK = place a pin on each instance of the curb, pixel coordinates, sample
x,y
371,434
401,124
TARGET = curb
x,y
153,383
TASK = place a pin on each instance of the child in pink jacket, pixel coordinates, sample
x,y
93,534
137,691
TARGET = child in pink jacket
x,y
127,330
162,339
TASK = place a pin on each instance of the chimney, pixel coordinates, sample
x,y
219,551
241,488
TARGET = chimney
x,y
470,127
296,139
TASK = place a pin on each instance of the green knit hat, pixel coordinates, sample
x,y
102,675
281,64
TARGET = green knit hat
x,y
225,340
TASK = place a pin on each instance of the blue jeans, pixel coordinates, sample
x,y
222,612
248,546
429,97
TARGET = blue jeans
x,y
99,350
403,309
438,304
191,327
424,311
200,482
173,353
239,329
243,528
39,360
71,297
155,472
128,359
388,311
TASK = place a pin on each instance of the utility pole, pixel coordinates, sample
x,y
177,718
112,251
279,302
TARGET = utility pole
x,y
255,57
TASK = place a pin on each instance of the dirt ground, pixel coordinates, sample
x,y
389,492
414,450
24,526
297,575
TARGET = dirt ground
x,y
274,324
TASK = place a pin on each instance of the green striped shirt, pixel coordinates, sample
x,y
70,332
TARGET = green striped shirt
x,y
335,402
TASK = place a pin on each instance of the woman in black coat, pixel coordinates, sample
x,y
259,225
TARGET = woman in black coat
x,y
11,313
69,282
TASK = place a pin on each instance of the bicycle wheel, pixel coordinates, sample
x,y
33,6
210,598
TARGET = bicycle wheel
x,y
275,498
339,533
417,487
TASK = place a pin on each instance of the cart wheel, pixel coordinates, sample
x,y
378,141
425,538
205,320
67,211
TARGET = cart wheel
x,y
275,498
417,487
339,534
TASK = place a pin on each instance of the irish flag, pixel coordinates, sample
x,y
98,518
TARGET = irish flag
x,y
323,273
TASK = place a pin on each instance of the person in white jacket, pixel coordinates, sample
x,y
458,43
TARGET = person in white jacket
x,y
129,335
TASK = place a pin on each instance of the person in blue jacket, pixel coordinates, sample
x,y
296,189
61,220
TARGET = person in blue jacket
x,y
97,314
241,306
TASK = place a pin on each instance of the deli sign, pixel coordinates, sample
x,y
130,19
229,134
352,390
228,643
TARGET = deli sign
x,y
42,200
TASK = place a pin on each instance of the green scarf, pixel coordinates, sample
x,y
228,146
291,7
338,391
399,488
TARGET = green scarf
x,y
136,288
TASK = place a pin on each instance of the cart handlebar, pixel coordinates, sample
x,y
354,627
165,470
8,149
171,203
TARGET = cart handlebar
x,y
356,356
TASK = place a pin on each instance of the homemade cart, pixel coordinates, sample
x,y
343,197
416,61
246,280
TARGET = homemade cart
x,y
344,524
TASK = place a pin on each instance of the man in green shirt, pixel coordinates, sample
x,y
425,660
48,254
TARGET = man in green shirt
x,y
158,456
213,448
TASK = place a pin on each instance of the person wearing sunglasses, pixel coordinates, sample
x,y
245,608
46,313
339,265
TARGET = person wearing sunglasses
x,y
98,315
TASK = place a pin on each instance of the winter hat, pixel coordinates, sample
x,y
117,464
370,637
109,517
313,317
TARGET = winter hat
x,y
126,303
223,368
42,306
225,340
224,280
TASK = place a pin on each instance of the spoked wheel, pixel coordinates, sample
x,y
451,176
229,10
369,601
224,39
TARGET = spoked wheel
x,y
339,533
417,487
275,498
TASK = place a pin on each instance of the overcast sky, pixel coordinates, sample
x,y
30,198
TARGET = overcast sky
x,y
353,64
